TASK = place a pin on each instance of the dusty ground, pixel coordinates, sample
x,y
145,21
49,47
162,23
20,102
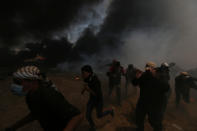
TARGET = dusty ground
x,y
12,108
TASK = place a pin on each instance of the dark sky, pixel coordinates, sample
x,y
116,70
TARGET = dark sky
x,y
38,19
35,18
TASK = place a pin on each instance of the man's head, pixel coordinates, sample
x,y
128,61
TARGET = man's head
x,y
86,71
165,65
184,73
114,61
130,66
150,66
25,79
118,64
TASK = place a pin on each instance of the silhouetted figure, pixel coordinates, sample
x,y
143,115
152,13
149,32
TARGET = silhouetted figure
x,y
151,100
183,83
114,74
93,86
129,75
163,74
48,106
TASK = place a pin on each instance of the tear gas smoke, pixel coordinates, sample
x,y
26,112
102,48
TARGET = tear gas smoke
x,y
175,40
91,17
35,19
131,31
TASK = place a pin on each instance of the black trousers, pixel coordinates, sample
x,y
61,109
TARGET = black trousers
x,y
184,93
118,90
98,105
128,81
155,116
166,99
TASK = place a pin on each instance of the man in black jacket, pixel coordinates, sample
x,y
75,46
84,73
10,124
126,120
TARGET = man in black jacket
x,y
151,100
183,83
163,73
114,74
46,104
93,86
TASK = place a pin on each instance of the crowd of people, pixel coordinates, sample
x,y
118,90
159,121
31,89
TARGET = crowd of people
x,y
54,113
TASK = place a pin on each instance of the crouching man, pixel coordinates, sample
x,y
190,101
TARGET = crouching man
x,y
46,105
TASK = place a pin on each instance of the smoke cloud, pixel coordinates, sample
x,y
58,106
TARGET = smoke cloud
x,y
36,19
124,18
134,31
173,40
91,17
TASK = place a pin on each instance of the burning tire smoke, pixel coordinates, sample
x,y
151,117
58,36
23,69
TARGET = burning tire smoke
x,y
100,30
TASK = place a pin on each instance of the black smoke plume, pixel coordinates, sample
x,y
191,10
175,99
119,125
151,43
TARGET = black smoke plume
x,y
41,19
129,15
35,19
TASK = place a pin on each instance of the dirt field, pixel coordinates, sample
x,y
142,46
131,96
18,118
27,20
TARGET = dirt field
x,y
13,108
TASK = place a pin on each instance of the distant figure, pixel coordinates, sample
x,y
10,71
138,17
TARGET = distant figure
x,y
93,86
164,75
115,72
46,105
129,75
151,100
183,83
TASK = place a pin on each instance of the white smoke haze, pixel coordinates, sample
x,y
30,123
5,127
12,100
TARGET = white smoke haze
x,y
88,17
184,17
142,46
174,43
